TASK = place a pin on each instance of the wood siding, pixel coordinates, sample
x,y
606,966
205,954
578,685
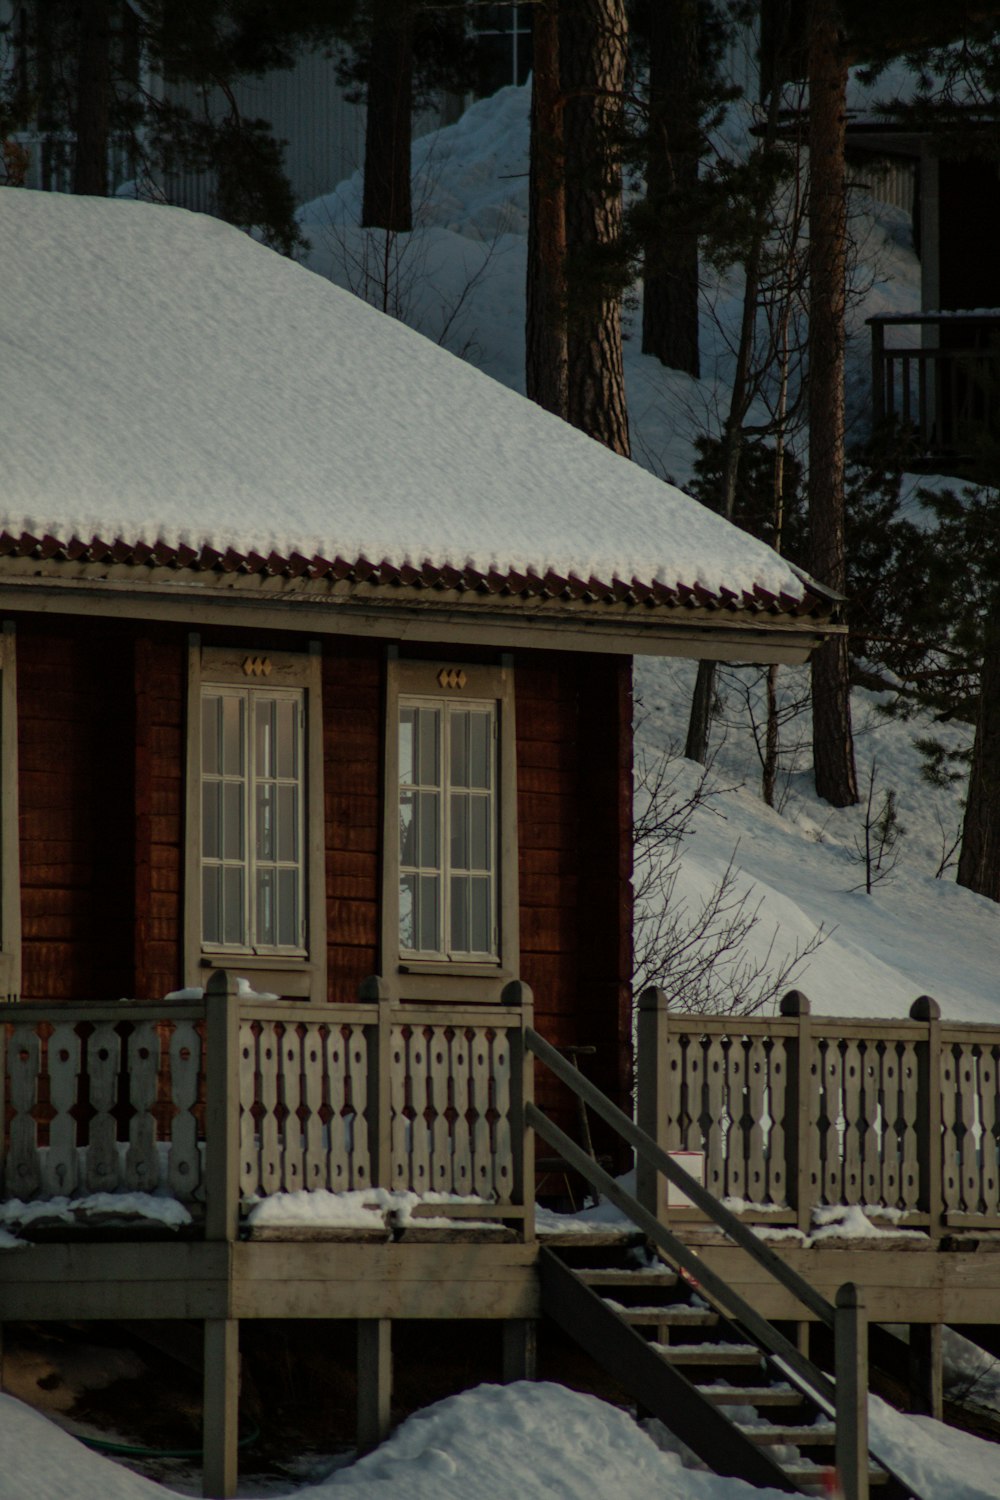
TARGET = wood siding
x,y
102,749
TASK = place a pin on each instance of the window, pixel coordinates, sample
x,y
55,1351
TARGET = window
x,y
450,886
252,876
447,828
255,886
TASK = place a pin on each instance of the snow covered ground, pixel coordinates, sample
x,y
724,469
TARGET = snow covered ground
x,y
533,1442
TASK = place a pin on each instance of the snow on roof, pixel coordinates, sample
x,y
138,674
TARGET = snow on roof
x,y
166,380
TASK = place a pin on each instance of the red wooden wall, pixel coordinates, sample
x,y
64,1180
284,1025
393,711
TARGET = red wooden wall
x,y
101,711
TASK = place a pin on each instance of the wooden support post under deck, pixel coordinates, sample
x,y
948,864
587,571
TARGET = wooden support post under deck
x,y
374,1381
520,1347
926,1382
220,1435
851,1370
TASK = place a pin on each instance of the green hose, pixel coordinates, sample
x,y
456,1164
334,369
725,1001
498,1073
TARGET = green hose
x,y
130,1450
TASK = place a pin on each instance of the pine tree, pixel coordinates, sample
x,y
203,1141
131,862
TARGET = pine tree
x,y
593,38
833,744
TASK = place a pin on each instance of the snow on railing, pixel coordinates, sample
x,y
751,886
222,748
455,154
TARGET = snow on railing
x,y
229,1097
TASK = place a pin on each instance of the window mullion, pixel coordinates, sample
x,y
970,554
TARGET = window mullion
x,y
250,821
446,830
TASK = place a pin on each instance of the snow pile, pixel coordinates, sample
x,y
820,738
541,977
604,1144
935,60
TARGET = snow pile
x,y
535,1441
196,388
97,1207
363,1208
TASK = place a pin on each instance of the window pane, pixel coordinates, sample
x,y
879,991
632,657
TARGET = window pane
x,y
482,936
233,922
232,736
263,716
408,828
265,821
407,746
459,748
288,823
428,845
479,824
479,749
211,831
287,737
265,907
232,819
459,831
211,730
459,940
211,904
408,911
430,909
288,908
428,773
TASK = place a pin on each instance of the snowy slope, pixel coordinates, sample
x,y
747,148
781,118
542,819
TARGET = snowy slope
x,y
459,278
162,376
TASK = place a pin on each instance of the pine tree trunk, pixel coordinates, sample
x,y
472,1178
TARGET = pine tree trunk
x,y
93,99
386,201
593,38
670,278
979,861
833,745
545,344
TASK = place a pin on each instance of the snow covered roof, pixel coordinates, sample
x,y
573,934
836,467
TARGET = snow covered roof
x,y
174,393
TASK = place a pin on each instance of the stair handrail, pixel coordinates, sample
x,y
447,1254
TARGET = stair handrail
x,y
797,1366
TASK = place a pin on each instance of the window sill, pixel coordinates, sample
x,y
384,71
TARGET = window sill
x,y
278,973
485,968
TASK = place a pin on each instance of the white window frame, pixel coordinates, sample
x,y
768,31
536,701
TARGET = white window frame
x,y
445,789
249,864
297,970
422,974
10,857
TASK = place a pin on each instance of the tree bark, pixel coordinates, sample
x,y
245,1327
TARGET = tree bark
x,y
93,99
545,342
979,861
670,278
593,44
833,744
386,200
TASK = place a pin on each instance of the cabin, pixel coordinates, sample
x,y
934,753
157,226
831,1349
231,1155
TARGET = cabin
x,y
936,367
315,851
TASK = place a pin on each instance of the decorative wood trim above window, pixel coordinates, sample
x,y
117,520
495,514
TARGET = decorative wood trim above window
x,y
254,849
10,862
449,890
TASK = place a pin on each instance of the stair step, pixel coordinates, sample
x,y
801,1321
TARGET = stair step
x,y
710,1354
814,1478
797,1437
751,1395
668,1317
620,1278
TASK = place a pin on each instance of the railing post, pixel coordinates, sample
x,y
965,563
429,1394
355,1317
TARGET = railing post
x,y
851,1372
375,990
651,1095
222,1106
929,1143
800,1111
518,996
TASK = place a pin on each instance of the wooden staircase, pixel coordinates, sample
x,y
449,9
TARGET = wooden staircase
x,y
684,1362
693,1352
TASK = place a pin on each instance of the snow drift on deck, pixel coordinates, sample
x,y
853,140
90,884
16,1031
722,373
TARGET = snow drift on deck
x,y
164,378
